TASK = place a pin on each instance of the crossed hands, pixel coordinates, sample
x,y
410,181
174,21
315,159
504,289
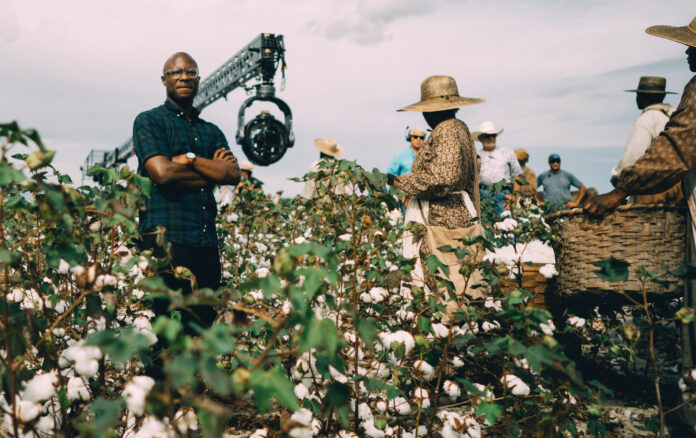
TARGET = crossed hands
x,y
220,154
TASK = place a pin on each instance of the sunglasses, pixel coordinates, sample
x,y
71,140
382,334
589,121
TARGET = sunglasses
x,y
554,161
421,137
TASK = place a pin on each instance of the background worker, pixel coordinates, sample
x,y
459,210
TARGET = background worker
x,y
497,164
329,150
402,161
248,183
649,98
557,185
528,177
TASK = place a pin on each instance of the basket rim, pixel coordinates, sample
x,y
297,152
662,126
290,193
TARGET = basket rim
x,y
579,211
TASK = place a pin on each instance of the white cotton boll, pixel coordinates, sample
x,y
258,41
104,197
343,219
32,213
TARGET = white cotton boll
x,y
548,328
63,267
232,217
521,362
262,272
515,384
364,412
287,307
457,362
452,389
46,425
381,406
261,247
508,225
95,226
494,304
302,416
345,237
337,376
143,265
487,393
440,330
366,298
346,433
135,393
406,293
137,293
420,395
16,296
32,300
58,332
379,369
259,433
257,295
105,280
186,420
61,306
77,389
489,326
315,426
40,387
153,428
142,322
425,369
349,337
371,431
470,327
548,270
405,315
576,322
26,410
379,294
400,405
301,391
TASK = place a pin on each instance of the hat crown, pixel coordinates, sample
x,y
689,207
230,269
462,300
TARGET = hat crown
x,y
692,25
652,83
439,86
487,127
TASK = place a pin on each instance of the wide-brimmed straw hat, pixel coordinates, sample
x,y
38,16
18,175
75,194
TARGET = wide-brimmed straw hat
x,y
684,34
246,165
486,128
328,146
651,85
522,155
440,93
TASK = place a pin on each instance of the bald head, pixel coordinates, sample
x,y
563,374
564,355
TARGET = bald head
x,y
172,60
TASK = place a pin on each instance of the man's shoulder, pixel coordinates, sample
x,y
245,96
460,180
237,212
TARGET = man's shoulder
x,y
150,115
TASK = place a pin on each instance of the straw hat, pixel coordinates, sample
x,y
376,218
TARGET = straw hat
x,y
651,85
485,128
246,165
328,146
684,34
440,93
521,155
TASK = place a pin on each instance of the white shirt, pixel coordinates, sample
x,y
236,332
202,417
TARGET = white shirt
x,y
646,128
498,164
310,188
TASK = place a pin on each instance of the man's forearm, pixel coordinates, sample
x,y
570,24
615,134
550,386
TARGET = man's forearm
x,y
219,172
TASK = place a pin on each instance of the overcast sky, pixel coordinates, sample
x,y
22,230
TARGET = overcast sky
x,y
553,72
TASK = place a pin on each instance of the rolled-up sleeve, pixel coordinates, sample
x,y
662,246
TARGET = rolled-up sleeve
x,y
672,154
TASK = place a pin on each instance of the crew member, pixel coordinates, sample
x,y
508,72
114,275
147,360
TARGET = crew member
x,y
497,164
248,182
402,161
185,157
329,150
529,188
649,98
557,185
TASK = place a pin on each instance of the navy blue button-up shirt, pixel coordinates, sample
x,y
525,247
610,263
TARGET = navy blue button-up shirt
x,y
187,214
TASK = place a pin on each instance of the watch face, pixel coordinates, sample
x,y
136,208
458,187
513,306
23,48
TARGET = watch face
x,y
190,155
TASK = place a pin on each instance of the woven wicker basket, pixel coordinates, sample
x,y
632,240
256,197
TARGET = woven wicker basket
x,y
532,280
647,236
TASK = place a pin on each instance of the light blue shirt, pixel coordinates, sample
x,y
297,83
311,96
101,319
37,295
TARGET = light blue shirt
x,y
402,162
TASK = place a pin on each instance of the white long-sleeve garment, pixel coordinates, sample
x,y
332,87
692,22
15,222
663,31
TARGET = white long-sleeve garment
x,y
645,129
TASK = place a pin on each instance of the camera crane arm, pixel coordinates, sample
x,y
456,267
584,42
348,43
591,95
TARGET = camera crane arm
x,y
259,59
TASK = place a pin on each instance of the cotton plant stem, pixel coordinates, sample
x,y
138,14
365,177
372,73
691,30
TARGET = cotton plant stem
x,y
653,361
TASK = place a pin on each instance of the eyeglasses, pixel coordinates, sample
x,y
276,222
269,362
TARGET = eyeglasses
x,y
176,74
420,137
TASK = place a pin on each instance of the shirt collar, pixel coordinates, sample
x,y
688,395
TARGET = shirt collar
x,y
171,107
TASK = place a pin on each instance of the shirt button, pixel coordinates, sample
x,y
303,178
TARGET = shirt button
x,y
195,138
